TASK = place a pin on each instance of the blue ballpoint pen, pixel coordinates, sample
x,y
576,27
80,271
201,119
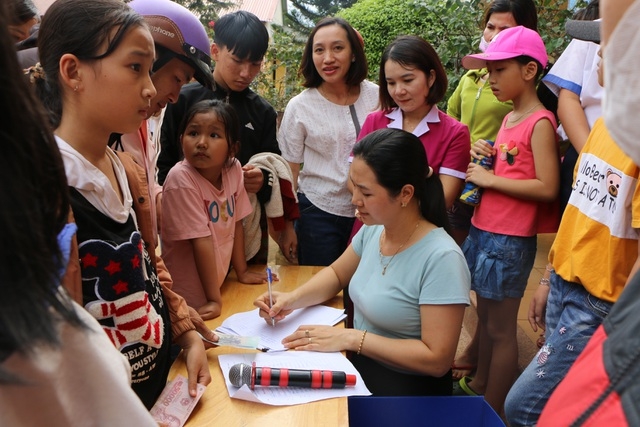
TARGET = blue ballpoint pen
x,y
269,283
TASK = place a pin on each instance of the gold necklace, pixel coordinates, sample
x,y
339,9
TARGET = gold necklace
x,y
512,120
382,235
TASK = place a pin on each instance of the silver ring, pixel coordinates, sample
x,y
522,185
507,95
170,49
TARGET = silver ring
x,y
306,333
309,340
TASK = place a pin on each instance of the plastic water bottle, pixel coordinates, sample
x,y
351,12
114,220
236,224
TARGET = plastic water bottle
x,y
471,192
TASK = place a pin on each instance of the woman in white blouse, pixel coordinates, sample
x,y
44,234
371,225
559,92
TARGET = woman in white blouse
x,y
319,129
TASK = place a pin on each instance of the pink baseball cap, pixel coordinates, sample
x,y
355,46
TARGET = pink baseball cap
x,y
507,44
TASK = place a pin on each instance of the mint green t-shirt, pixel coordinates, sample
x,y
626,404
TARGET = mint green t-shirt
x,y
431,271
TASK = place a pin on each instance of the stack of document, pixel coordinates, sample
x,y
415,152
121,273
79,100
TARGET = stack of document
x,y
249,323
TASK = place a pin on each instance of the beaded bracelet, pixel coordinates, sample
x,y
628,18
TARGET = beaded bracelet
x,y
361,341
549,268
544,281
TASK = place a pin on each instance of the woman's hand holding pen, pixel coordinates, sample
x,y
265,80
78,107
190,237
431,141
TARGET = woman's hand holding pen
x,y
306,337
280,308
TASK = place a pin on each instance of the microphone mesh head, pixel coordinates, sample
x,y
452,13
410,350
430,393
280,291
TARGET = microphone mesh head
x,y
240,374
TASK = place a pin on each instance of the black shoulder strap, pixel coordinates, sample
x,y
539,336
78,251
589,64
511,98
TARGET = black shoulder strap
x,y
354,117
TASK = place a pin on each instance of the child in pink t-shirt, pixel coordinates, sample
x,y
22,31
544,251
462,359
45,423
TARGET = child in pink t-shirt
x,y
204,202
501,246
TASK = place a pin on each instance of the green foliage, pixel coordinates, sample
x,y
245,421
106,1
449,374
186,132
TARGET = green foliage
x,y
278,81
453,27
552,15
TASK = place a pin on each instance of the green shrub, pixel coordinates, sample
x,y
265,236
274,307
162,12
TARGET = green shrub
x,y
453,27
278,81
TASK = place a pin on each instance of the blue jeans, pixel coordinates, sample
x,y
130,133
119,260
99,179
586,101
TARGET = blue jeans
x,y
573,315
322,237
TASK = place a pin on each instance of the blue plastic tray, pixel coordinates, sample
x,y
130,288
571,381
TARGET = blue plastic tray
x,y
421,411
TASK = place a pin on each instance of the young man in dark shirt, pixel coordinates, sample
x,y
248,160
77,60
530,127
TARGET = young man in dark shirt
x,y
238,49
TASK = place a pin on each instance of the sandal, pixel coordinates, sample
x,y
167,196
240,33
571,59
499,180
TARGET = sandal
x,y
464,389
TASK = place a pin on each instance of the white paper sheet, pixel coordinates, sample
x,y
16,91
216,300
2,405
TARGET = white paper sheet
x,y
279,396
249,323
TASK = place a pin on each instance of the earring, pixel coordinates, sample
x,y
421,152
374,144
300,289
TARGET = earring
x,y
75,89
404,204
353,59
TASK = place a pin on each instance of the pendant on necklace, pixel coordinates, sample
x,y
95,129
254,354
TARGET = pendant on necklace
x,y
384,267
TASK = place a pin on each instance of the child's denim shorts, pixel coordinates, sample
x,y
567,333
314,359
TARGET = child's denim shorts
x,y
499,264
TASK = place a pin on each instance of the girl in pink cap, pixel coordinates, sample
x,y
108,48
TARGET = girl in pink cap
x,y
501,246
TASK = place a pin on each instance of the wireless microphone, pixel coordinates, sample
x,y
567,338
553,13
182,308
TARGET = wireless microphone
x,y
241,373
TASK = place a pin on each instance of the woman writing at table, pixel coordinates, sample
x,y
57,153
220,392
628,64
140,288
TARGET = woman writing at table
x,y
407,277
